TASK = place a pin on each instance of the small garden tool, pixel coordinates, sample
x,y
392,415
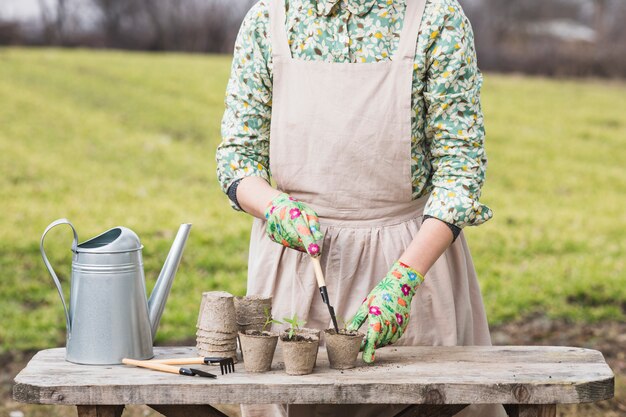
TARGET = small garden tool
x,y
227,365
167,368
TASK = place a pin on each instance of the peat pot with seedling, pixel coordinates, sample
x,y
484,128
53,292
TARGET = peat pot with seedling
x,y
343,347
299,346
258,346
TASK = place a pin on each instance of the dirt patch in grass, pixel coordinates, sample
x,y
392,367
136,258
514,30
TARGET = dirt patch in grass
x,y
607,337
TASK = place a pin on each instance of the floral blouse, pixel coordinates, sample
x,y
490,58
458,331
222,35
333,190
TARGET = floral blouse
x,y
448,159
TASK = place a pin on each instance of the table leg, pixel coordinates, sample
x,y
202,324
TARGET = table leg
x,y
190,410
531,410
430,410
100,410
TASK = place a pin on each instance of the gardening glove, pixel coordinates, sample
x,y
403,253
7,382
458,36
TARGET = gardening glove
x,y
293,224
387,306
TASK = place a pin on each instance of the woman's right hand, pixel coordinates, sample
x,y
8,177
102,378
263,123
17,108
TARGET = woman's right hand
x,y
293,224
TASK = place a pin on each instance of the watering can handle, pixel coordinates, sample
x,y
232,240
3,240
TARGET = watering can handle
x,y
51,270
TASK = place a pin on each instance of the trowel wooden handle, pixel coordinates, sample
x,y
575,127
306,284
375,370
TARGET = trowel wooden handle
x,y
180,361
318,271
152,365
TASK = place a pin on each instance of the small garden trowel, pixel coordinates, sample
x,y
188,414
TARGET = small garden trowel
x,y
323,291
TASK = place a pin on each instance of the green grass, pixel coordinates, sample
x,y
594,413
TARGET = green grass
x,y
110,138
557,183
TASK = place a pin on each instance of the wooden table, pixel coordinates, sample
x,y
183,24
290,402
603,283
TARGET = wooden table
x,y
439,381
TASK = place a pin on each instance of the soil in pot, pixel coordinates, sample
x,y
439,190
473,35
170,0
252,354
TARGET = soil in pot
x,y
258,349
342,348
299,352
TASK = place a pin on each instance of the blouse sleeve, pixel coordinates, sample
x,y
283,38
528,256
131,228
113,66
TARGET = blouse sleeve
x,y
244,150
454,121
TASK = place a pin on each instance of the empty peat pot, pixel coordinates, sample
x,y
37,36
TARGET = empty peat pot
x,y
252,311
258,349
216,334
342,348
300,352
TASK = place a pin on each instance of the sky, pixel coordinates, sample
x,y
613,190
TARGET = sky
x,y
20,9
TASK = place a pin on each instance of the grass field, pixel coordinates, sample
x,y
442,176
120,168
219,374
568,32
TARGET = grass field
x,y
111,138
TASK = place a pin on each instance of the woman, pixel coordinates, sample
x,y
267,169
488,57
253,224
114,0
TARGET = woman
x,y
367,114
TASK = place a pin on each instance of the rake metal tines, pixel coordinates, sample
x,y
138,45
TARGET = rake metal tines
x,y
227,365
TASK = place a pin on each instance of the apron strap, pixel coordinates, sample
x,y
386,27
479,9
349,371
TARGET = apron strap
x,y
408,37
410,30
278,33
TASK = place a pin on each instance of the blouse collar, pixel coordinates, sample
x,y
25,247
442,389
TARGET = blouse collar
x,y
357,7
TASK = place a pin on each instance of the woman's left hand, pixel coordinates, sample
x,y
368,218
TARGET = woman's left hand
x,y
388,306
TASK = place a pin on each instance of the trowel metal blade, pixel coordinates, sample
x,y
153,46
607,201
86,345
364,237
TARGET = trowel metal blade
x,y
331,310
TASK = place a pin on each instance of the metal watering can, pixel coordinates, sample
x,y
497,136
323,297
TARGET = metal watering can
x,y
109,317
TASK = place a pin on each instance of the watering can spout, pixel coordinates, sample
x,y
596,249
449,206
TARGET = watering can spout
x,y
156,303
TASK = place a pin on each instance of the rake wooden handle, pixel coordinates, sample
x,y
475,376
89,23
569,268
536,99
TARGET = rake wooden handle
x,y
180,361
318,271
152,365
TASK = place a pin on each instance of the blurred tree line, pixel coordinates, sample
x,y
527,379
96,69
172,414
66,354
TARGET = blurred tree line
x,y
155,25
552,37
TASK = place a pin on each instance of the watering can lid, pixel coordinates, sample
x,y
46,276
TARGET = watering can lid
x,y
118,239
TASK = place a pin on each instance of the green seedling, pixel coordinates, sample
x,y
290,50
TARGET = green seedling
x,y
343,324
294,325
269,320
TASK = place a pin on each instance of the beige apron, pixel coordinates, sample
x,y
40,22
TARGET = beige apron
x,y
340,140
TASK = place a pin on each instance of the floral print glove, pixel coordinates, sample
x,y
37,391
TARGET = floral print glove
x,y
387,306
293,224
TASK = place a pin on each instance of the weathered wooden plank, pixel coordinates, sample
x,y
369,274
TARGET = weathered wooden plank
x,y
100,410
526,410
403,375
187,410
425,410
